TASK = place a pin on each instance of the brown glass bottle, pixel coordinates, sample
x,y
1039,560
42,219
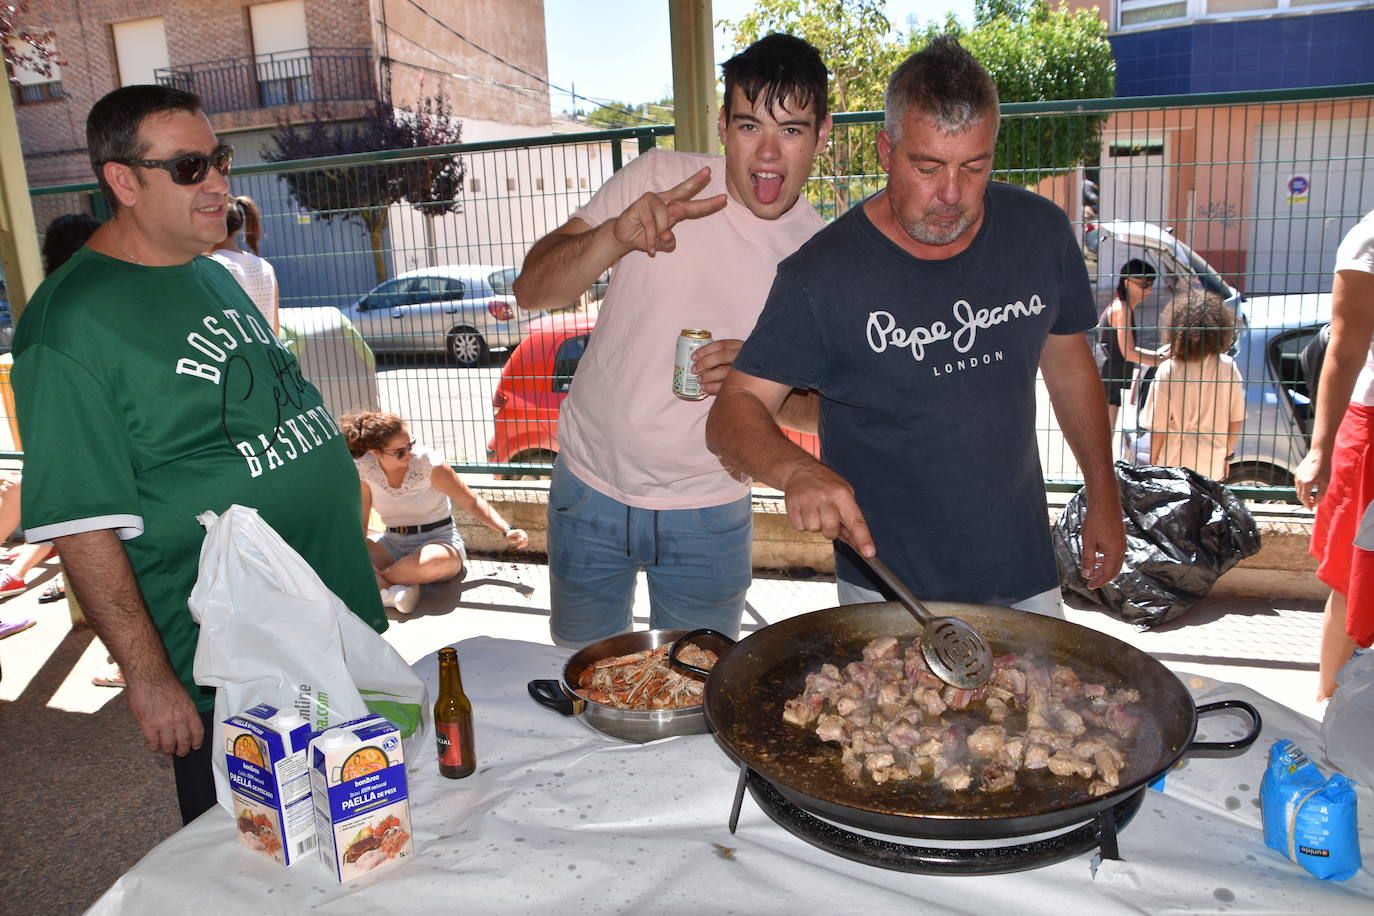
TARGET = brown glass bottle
x,y
453,720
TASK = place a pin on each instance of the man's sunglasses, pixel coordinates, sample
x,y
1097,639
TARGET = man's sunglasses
x,y
1142,283
190,168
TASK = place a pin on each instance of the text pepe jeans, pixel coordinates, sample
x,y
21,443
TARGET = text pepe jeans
x,y
883,332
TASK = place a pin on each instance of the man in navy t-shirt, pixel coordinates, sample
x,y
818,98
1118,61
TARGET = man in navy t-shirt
x,y
922,317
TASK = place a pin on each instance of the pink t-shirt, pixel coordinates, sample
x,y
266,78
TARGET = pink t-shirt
x,y
622,430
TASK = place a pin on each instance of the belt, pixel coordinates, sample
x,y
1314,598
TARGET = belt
x,y
417,529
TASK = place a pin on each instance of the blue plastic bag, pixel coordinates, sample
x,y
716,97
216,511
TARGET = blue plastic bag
x,y
1309,819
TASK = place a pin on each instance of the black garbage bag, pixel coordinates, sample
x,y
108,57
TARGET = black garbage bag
x,y
1183,531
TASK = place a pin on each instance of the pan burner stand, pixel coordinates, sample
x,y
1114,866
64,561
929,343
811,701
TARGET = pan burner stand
x,y
1098,833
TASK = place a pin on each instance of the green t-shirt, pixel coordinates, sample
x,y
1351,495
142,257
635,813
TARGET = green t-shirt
x,y
147,395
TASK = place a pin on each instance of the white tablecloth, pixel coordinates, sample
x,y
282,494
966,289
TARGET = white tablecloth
x,y
562,819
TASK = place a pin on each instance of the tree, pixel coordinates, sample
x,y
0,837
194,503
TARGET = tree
x,y
622,114
25,49
1036,54
1033,53
365,192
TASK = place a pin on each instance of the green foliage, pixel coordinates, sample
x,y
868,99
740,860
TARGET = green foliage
x,y
1047,55
363,193
1033,53
850,34
621,114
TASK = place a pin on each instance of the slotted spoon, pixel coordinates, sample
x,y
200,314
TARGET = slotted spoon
x,y
954,649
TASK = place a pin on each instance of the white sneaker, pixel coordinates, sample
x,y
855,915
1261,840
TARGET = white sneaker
x,y
403,598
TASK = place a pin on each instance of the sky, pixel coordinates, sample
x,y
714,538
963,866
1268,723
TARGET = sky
x,y
619,49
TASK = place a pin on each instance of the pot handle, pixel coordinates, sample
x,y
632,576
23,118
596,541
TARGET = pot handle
x,y
1219,747
681,642
551,695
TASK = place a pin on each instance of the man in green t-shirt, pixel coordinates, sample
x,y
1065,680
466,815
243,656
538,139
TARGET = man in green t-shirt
x,y
149,389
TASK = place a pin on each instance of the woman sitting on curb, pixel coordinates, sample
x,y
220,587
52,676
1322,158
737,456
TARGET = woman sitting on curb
x,y
414,491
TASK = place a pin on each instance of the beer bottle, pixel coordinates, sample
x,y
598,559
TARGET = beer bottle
x,y
453,720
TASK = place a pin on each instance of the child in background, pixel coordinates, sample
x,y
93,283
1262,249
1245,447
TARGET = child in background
x,y
1197,403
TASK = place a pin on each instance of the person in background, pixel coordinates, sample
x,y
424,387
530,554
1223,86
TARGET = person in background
x,y
252,272
149,391
923,317
634,487
1336,477
1196,406
414,491
26,556
64,235
1116,330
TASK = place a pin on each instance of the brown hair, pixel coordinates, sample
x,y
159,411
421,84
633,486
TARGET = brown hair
x,y
242,213
1200,325
369,430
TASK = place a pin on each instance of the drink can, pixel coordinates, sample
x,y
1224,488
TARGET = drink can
x,y
686,385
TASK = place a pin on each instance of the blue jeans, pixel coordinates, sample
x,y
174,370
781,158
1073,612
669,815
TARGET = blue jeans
x,y
697,561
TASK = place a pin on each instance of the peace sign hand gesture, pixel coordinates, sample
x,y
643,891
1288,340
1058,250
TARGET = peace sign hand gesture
x,y
647,224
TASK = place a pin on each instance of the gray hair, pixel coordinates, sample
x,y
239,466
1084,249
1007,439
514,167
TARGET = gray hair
x,y
944,83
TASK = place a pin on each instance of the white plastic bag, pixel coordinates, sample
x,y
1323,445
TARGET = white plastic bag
x,y
1345,727
272,632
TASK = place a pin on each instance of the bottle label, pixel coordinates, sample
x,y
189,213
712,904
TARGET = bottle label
x,y
450,743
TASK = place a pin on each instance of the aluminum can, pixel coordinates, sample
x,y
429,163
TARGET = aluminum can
x,y
686,385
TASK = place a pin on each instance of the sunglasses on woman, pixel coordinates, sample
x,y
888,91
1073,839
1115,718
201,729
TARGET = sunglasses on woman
x,y
189,168
401,452
1143,284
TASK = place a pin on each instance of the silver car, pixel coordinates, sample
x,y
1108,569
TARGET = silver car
x,y
462,310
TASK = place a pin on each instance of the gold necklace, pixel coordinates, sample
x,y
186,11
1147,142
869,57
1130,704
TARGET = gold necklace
x,y
127,254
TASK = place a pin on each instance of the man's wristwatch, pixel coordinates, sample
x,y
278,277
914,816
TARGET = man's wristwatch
x,y
509,529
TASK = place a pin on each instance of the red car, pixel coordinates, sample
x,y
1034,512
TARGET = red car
x,y
534,383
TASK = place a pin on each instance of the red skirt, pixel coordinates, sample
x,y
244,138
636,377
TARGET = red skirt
x,y
1340,564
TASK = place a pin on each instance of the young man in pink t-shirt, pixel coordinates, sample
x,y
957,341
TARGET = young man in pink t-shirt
x,y
694,241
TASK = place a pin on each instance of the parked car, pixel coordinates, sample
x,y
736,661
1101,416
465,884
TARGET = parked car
x,y
537,378
1273,332
463,310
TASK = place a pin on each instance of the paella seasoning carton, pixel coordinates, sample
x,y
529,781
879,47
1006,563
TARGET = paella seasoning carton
x,y
269,778
362,810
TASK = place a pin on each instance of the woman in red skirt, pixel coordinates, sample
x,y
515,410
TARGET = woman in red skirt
x,y
1337,475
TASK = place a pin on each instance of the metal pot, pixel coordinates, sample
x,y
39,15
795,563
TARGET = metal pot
x,y
747,687
626,724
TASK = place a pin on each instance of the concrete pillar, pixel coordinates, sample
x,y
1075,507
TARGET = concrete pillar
x,y
694,76
18,240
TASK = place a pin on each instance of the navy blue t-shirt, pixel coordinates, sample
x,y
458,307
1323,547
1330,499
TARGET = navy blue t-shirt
x,y
926,371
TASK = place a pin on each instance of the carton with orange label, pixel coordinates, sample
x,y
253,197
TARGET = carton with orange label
x,y
264,753
362,810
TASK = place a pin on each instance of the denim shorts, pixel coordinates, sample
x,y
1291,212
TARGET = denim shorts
x,y
403,545
698,563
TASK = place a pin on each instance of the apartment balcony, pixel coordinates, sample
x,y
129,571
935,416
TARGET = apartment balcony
x,y
273,80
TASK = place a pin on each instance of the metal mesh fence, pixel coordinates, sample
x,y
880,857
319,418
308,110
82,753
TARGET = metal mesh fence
x,y
398,299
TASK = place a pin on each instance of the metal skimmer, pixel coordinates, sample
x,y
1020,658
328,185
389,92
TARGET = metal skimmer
x,y
954,649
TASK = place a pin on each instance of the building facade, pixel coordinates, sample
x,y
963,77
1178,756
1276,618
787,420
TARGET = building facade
x,y
260,64
1262,192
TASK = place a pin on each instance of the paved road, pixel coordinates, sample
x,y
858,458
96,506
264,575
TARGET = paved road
x,y
448,409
